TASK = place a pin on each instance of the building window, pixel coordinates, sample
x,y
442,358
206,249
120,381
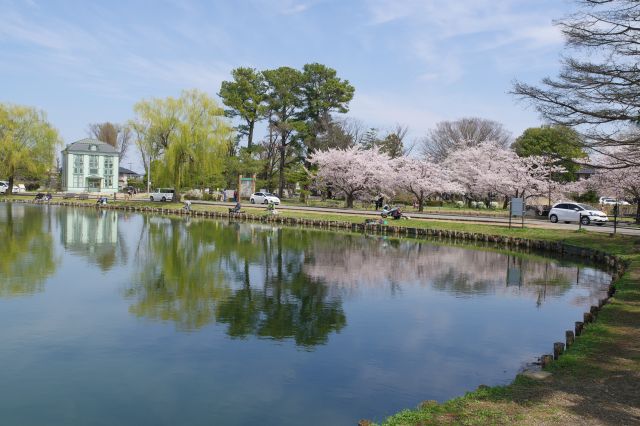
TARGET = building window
x,y
93,165
108,172
78,171
78,165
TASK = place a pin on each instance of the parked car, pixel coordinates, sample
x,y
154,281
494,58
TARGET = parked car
x,y
576,212
162,194
612,201
4,185
264,198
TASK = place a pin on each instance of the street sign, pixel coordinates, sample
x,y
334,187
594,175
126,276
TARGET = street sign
x,y
517,207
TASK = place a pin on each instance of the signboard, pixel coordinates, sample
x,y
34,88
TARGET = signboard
x,y
517,207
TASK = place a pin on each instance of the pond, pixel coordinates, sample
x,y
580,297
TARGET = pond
x,y
121,318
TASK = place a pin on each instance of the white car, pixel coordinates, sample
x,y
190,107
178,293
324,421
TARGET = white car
x,y
3,187
264,198
162,194
576,212
612,201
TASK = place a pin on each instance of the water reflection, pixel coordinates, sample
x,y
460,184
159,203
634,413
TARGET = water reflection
x,y
245,276
356,263
93,234
27,257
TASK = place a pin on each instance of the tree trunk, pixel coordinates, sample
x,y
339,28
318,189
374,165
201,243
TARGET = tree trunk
x,y
421,204
10,188
349,200
250,135
638,211
283,149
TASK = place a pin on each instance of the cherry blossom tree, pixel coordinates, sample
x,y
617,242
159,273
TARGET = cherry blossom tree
x,y
489,169
423,178
353,171
621,183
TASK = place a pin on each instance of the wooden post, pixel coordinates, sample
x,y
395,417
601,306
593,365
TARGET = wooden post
x,y
594,311
579,325
558,349
570,338
588,317
546,360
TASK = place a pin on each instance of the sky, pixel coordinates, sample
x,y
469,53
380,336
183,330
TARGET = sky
x,y
412,62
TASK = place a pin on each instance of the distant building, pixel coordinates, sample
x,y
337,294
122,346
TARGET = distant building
x,y
585,173
89,165
125,175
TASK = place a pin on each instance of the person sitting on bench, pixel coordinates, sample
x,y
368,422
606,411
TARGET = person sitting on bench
x,y
236,208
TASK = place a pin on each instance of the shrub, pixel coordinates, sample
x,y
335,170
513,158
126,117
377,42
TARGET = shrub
x,y
474,204
481,205
459,204
493,205
32,186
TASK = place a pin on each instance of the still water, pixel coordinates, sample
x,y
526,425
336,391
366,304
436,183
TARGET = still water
x,y
118,318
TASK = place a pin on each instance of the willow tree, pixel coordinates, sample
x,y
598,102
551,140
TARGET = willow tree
x,y
27,142
155,123
196,150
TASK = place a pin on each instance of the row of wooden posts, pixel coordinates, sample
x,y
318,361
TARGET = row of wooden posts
x,y
587,318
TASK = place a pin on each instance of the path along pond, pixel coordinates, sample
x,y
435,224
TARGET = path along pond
x,y
120,318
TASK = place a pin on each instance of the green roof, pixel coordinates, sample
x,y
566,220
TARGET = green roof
x,y
91,146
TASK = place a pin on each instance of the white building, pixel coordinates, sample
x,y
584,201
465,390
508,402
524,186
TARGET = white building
x,y
89,165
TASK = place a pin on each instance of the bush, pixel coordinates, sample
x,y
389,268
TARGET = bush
x,y
434,203
481,205
474,204
493,205
459,204
32,186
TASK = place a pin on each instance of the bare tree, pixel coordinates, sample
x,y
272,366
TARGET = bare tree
x,y
599,97
393,143
338,133
116,135
451,135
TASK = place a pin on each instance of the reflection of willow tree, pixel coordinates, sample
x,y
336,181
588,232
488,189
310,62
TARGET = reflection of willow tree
x,y
27,256
246,276
94,234
180,278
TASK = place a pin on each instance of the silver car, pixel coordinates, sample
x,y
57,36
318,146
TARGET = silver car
x,y
576,212
264,198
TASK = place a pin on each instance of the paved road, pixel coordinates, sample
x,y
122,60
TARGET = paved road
x,y
451,217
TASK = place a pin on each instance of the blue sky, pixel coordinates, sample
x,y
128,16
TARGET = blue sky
x,y
412,62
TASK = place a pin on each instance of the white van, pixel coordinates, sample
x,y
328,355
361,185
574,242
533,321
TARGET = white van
x,y
162,194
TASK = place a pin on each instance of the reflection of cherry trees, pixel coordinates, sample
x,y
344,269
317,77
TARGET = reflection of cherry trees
x,y
357,263
27,258
247,277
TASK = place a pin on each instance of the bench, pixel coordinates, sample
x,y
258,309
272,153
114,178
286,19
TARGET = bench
x,y
68,195
83,196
